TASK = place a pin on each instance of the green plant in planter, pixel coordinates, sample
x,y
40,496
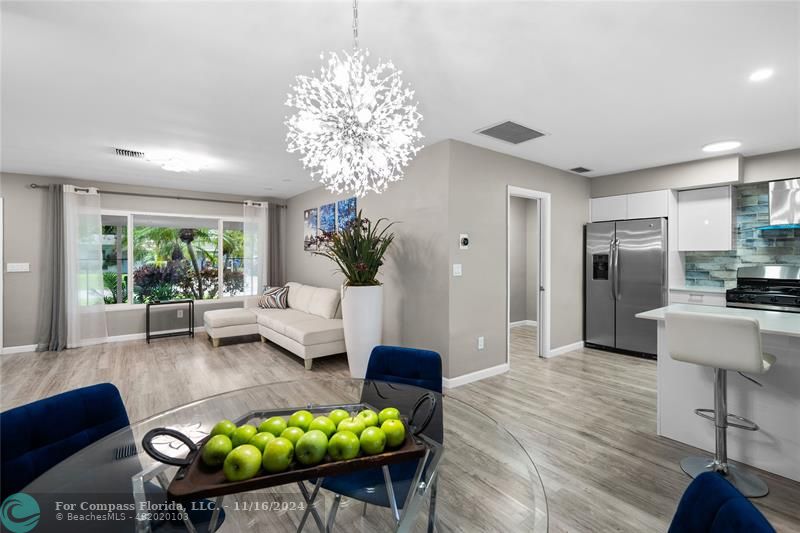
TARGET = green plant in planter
x,y
358,249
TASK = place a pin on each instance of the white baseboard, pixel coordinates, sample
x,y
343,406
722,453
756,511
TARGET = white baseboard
x,y
18,349
565,349
92,342
451,383
522,323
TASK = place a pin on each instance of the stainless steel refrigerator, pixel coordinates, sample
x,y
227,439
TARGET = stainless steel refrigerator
x,y
626,273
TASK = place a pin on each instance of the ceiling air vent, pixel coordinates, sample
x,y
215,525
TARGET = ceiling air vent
x,y
511,132
129,153
580,170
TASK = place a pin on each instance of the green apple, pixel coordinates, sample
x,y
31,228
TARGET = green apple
x,y
324,424
301,419
223,427
354,424
242,463
243,434
216,449
292,435
278,455
395,432
260,440
369,417
390,413
373,440
311,448
274,425
337,415
343,445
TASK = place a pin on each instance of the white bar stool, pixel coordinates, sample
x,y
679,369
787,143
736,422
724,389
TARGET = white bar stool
x,y
723,343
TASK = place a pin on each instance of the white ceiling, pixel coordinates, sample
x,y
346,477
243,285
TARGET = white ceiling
x,y
617,86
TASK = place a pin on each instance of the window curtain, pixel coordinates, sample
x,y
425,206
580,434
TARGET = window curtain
x,y
276,256
72,312
83,265
255,247
52,327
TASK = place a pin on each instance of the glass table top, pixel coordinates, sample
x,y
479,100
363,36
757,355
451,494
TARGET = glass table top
x,y
485,480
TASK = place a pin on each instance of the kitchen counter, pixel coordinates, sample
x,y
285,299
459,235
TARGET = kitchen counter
x,y
699,288
775,407
771,322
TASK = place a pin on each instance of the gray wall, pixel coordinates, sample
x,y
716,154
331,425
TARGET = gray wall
x,y
702,173
477,205
452,188
416,270
523,259
532,247
23,222
518,260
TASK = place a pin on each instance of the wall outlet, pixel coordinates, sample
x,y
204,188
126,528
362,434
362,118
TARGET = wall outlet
x,y
481,343
457,269
180,313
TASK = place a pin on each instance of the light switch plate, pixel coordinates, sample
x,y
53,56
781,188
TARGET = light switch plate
x,y
481,343
457,269
18,267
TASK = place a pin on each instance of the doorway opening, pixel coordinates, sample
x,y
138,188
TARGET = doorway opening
x,y
528,258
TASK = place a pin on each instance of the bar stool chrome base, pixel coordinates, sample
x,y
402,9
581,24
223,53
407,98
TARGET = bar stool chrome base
x,y
749,484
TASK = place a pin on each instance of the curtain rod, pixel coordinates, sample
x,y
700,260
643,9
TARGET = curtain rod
x,y
143,195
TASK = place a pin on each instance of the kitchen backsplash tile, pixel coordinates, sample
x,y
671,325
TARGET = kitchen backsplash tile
x,y
753,246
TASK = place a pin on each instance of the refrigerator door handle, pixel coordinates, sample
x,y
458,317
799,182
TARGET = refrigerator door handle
x,y
616,269
611,269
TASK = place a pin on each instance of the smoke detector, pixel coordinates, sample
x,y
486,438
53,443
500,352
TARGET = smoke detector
x,y
510,132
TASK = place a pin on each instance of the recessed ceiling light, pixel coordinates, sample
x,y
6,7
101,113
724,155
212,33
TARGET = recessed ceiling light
x,y
762,74
175,162
721,146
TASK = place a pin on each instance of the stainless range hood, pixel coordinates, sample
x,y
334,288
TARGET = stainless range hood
x,y
784,204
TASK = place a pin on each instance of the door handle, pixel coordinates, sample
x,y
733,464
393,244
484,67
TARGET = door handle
x,y
611,268
616,269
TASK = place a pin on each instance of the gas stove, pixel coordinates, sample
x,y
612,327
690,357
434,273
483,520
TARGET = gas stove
x,y
768,287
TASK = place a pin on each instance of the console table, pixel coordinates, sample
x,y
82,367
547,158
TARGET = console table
x,y
189,331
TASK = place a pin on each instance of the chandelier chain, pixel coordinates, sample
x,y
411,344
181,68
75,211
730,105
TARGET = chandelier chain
x,y
355,24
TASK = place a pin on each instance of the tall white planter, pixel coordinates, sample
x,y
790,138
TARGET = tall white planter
x,y
362,314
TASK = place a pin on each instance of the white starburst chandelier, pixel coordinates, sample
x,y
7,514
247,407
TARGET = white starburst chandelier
x,y
355,126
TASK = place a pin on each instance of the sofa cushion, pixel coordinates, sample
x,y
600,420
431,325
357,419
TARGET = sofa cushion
x,y
220,318
324,302
278,319
315,330
294,287
303,296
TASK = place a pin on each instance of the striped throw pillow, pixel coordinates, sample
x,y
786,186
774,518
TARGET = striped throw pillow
x,y
274,298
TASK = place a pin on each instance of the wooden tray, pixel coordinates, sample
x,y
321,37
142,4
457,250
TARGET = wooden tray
x,y
197,480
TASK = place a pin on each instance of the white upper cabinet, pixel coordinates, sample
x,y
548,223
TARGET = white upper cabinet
x,y
705,219
651,204
609,208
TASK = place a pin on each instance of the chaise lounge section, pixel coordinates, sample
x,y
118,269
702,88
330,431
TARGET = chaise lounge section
x,y
310,327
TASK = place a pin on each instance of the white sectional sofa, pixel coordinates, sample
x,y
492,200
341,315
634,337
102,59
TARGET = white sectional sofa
x,y
310,327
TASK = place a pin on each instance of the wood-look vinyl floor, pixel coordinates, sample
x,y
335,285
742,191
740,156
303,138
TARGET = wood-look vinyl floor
x,y
587,418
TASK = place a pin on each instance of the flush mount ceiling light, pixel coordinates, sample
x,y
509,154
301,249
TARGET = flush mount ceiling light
x,y
178,162
721,146
356,126
762,74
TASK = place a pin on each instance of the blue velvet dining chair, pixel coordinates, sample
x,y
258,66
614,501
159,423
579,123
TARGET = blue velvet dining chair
x,y
712,505
393,364
37,436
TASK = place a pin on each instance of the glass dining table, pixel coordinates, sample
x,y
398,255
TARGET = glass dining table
x,y
476,475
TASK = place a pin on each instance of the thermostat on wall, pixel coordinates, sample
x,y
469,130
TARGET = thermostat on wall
x,y
463,241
